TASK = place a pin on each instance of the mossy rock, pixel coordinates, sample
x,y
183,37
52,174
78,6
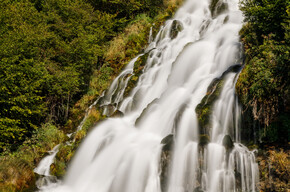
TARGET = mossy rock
x,y
203,114
203,140
204,109
137,71
176,27
58,168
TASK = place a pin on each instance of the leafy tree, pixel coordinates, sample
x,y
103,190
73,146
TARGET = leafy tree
x,y
48,52
128,9
264,82
266,17
46,58
22,105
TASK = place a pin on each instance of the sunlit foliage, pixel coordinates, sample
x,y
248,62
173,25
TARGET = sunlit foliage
x,y
264,82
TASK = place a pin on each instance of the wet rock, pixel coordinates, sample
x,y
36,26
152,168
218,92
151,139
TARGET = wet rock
x,y
203,140
234,68
221,8
146,111
167,142
204,27
198,189
108,110
137,71
238,177
204,108
45,181
217,7
165,163
178,116
228,142
175,29
117,113
226,19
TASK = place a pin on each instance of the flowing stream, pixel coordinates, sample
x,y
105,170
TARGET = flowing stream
x,y
162,142
43,170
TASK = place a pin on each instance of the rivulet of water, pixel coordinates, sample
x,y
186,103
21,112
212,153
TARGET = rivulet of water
x,y
43,170
126,154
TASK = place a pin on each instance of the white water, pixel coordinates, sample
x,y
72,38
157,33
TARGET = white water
x,y
124,154
44,166
43,169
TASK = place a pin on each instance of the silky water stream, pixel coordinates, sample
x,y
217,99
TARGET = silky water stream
x,y
167,140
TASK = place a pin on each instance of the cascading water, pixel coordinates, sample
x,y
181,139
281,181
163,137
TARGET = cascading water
x,y
198,47
43,170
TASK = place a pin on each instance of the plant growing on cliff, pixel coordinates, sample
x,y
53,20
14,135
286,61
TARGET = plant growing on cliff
x,y
263,84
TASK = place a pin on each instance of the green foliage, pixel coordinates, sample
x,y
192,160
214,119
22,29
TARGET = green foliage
x,y
128,44
21,103
263,84
44,63
128,9
266,17
278,131
16,169
49,51
204,108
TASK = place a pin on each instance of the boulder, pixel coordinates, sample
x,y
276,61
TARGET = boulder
x,y
228,142
198,189
117,113
176,27
167,142
203,140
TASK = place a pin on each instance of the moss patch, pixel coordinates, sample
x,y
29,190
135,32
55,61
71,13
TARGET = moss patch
x,y
204,109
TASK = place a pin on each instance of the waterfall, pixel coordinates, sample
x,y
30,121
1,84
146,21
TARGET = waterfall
x,y
180,131
43,170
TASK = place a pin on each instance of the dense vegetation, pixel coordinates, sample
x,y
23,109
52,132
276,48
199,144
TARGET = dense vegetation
x,y
263,87
48,53
264,82
57,57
